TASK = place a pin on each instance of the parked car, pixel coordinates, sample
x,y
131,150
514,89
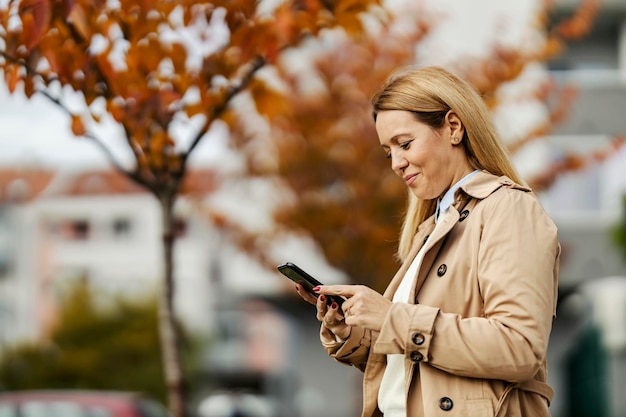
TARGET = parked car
x,y
78,403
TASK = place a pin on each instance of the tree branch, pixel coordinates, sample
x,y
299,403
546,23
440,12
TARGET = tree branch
x,y
133,175
217,111
109,155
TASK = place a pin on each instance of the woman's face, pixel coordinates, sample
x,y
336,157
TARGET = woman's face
x,y
429,160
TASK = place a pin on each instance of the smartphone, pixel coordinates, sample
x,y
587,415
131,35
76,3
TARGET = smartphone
x,y
297,275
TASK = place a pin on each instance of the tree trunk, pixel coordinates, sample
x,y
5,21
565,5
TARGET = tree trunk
x,y
168,329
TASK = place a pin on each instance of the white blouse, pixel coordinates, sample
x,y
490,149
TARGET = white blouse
x,y
391,396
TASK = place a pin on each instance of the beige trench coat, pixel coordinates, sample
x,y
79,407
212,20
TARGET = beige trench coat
x,y
475,340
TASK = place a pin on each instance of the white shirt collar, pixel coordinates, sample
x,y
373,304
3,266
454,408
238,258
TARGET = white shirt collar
x,y
444,203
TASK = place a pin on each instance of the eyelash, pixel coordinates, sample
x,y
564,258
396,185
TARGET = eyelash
x,y
404,146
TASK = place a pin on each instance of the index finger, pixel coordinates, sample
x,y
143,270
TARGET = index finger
x,y
342,290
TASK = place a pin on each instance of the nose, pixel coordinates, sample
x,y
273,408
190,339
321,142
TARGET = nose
x,y
398,162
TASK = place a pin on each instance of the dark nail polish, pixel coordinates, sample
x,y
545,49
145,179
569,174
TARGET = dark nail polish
x,y
316,289
334,306
322,298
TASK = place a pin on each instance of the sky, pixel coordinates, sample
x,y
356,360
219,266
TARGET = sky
x,y
36,133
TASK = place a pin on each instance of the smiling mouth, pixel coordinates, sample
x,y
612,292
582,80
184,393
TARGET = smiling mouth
x,y
409,179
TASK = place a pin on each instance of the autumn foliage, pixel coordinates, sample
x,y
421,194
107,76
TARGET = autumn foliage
x,y
292,81
148,67
345,195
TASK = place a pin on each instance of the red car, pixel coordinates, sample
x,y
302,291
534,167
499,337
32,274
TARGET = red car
x,y
76,403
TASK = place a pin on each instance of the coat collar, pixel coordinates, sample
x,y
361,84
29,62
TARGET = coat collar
x,y
479,186
483,184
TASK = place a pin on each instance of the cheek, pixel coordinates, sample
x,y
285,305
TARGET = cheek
x,y
422,158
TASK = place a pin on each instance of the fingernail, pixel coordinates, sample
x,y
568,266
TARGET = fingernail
x,y
322,298
316,289
334,306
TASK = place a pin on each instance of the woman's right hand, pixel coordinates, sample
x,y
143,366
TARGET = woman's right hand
x,y
331,316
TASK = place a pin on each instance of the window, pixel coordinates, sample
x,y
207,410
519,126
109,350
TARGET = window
x,y
72,229
122,227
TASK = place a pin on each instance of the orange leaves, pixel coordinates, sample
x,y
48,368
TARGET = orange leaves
x,y
78,20
285,25
12,77
580,23
347,15
563,100
269,103
566,98
178,56
575,162
78,127
268,34
35,16
116,109
29,87
157,150
573,27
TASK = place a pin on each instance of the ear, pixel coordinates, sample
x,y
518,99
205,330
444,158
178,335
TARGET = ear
x,y
455,127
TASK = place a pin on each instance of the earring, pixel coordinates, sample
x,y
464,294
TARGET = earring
x,y
456,140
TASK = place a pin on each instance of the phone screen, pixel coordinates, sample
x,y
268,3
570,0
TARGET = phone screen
x,y
299,276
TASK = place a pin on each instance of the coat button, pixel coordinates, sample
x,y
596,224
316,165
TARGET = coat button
x,y
445,403
464,215
441,271
416,356
418,338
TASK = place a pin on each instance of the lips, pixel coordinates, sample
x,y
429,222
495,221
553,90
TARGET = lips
x,y
409,179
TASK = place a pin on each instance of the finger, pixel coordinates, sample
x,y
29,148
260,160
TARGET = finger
x,y
307,296
322,307
338,329
322,302
342,290
332,316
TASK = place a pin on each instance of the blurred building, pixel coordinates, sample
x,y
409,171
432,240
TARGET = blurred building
x,y
588,346
18,190
56,228
60,227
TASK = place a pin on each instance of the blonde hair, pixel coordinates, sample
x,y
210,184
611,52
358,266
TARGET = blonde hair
x,y
429,93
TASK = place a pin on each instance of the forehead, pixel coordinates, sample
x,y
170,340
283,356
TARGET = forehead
x,y
394,124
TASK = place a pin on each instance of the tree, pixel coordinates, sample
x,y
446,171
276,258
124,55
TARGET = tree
x,y
92,348
343,192
148,68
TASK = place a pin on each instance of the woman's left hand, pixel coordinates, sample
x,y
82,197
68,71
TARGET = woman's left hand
x,y
363,307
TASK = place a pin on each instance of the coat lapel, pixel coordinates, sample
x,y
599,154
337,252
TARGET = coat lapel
x,y
433,245
478,187
430,237
424,230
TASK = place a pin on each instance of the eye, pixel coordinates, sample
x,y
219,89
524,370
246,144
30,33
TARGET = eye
x,y
406,145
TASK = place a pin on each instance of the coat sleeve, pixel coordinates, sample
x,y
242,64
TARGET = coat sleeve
x,y
517,273
353,351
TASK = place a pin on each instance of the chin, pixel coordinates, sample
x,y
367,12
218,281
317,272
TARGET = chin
x,y
423,195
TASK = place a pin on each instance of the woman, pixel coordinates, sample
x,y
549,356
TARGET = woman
x,y
463,327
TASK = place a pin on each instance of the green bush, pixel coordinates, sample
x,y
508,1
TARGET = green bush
x,y
619,231
115,348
